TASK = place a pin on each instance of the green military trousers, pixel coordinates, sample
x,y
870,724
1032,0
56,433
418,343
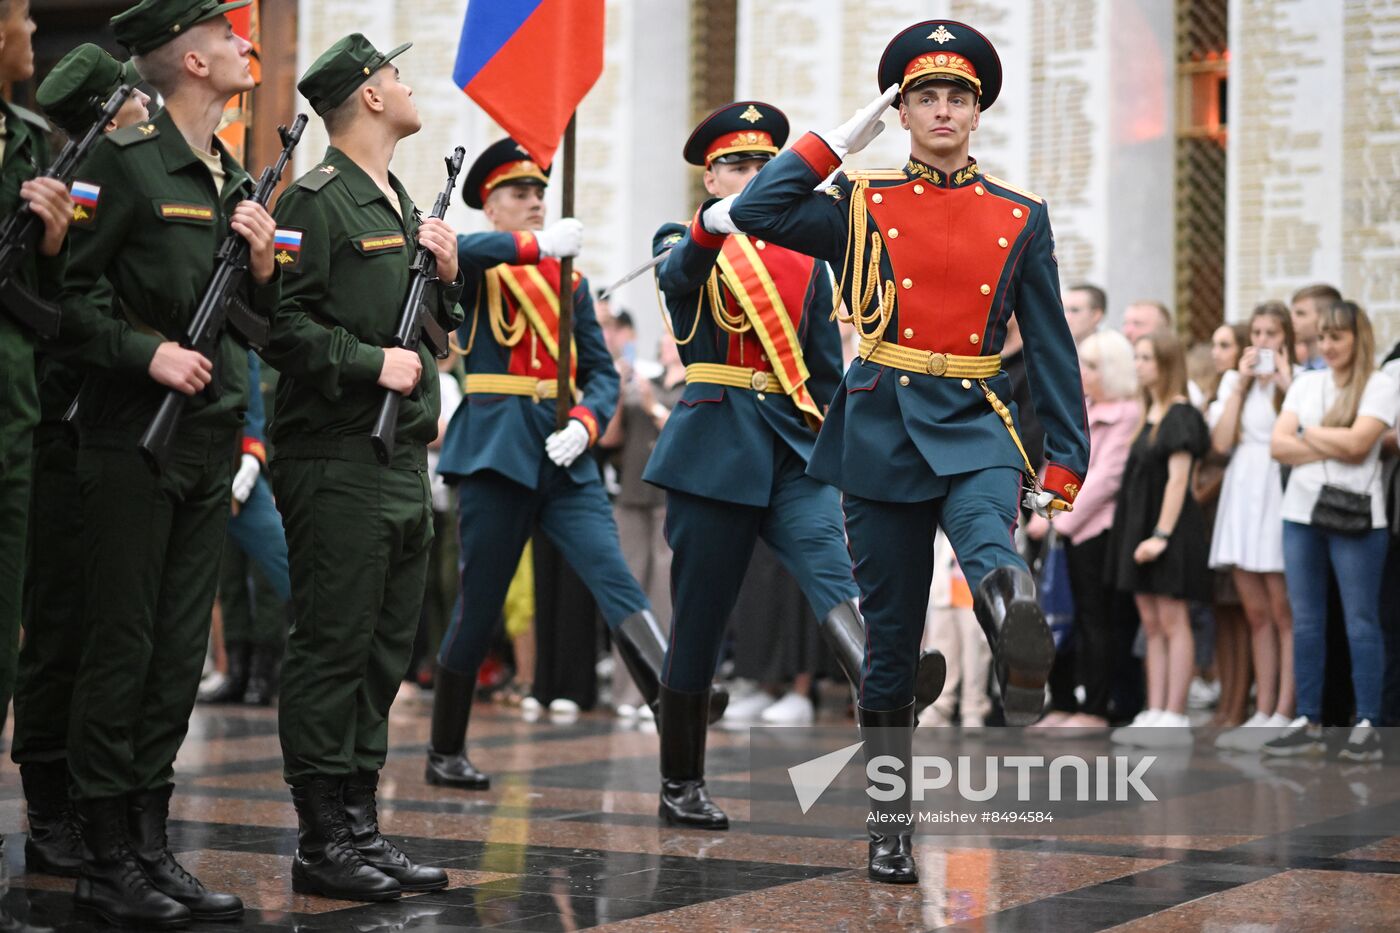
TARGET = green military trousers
x,y
358,540
19,413
53,601
152,547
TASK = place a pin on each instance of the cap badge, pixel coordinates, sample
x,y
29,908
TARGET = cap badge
x,y
941,34
752,115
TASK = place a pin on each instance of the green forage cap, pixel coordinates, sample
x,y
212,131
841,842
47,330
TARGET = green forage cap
x,y
341,69
77,87
152,23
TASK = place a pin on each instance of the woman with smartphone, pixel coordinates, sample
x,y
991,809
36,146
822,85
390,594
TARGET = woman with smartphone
x,y
1248,537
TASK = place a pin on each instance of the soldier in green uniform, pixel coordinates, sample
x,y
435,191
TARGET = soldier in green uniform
x,y
358,532
23,155
72,96
159,198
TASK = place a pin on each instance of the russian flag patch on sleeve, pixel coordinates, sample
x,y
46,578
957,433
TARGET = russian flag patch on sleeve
x,y
85,197
286,248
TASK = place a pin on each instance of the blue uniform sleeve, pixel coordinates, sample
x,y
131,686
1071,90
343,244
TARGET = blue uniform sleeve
x,y
597,376
821,345
780,206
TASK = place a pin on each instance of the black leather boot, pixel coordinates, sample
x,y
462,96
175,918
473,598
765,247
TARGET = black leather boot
x,y
327,862
448,765
642,645
262,674
362,813
55,843
682,719
113,884
147,813
844,631
890,823
236,678
1022,646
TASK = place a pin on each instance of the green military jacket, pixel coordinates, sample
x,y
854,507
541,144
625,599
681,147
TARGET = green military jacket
x,y
26,155
345,256
142,252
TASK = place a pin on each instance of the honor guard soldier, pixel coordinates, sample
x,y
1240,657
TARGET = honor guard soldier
x,y
934,258
71,95
358,531
157,199
23,155
751,322
514,470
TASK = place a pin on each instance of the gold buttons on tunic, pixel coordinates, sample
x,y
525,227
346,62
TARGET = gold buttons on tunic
x,y
974,338
894,233
877,197
985,289
979,189
967,383
907,283
1016,212
918,189
904,380
761,396
1001,241
760,244
535,364
908,332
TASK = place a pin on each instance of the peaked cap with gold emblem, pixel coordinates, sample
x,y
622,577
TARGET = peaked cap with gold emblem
x,y
746,129
942,50
504,162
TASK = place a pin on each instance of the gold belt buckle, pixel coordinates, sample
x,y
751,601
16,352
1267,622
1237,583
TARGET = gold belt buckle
x,y
758,381
937,364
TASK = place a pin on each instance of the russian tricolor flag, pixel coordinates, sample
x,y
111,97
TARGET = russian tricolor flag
x,y
85,194
287,239
529,63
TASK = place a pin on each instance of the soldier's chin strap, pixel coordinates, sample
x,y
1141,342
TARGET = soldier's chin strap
x,y
1057,504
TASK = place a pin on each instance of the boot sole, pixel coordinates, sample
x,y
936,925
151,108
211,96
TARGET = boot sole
x,y
433,779
316,890
114,920
231,914
893,879
680,824
1025,654
929,679
421,888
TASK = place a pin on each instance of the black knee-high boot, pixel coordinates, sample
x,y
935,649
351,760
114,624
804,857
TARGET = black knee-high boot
x,y
844,631
448,765
682,720
890,822
642,645
1022,646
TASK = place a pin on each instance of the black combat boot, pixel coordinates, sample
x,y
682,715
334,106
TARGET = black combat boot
x,y
262,674
327,862
147,813
448,765
55,843
1022,646
642,645
844,631
235,682
113,884
890,822
362,813
682,720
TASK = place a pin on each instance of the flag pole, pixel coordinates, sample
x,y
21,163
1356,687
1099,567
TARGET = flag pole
x,y
565,401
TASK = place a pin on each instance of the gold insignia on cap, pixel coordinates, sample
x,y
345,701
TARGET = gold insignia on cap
x,y
941,34
175,28
752,114
365,69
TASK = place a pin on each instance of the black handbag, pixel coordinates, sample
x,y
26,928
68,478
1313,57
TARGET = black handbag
x,y
1341,510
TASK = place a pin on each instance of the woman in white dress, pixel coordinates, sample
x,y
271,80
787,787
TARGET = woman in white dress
x,y
1249,525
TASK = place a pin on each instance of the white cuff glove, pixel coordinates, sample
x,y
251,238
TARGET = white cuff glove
x,y
716,220
246,478
1039,503
565,445
863,126
561,239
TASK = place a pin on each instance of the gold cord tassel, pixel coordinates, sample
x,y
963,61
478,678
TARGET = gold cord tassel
x,y
506,334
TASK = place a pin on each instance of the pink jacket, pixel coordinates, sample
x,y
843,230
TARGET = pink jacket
x,y
1112,427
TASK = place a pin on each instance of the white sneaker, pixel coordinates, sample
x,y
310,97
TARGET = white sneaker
x,y
1133,731
932,716
1202,694
1271,728
531,707
563,707
747,708
1230,738
644,713
625,711
793,709
211,683
1167,730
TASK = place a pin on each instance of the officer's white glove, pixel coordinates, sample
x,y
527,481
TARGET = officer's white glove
x,y
565,445
863,126
715,218
1039,503
561,239
246,478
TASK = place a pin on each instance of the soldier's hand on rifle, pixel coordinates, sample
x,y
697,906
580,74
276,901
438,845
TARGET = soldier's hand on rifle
x,y
401,371
565,445
183,370
51,203
863,126
441,241
253,223
561,239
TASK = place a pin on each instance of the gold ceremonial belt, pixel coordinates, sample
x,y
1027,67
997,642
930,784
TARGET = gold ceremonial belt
x,y
503,384
932,364
740,377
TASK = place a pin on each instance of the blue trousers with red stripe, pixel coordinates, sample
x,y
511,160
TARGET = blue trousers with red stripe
x,y
712,542
892,546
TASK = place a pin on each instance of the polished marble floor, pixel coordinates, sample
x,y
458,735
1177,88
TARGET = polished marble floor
x,y
567,839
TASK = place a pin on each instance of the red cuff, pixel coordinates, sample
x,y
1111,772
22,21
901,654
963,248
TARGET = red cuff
x,y
704,238
820,157
1062,482
584,416
251,445
527,248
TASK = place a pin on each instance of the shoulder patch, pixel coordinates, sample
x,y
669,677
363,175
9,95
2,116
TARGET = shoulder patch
x,y
286,248
130,135
29,116
85,197
1014,190
835,192
317,178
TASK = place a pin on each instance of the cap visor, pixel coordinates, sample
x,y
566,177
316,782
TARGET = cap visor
x,y
129,74
397,52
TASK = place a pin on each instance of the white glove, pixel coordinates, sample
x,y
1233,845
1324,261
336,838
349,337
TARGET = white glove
x,y
1039,503
561,239
716,217
246,478
863,126
565,445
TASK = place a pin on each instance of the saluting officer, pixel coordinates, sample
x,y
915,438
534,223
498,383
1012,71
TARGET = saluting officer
x,y
513,469
934,258
155,200
358,532
762,362
72,96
